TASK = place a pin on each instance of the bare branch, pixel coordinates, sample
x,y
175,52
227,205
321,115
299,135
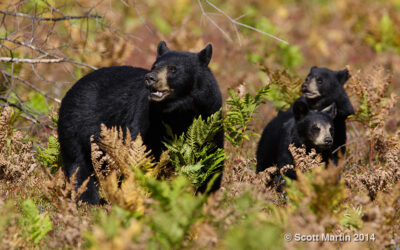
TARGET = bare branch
x,y
234,22
30,85
43,60
29,116
203,13
33,47
52,19
25,44
140,17
29,60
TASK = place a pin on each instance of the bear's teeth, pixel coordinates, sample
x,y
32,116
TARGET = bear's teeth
x,y
158,94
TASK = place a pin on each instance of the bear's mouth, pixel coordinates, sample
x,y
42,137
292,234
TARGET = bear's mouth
x,y
323,146
310,95
158,94
310,89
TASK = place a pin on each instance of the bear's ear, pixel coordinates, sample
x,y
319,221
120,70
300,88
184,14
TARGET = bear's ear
x,y
300,109
205,55
162,48
313,67
342,76
331,110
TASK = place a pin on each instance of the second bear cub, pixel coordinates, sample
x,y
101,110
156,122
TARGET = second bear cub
x,y
300,127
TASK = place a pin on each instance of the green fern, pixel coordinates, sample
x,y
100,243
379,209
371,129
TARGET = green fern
x,y
34,226
239,114
194,153
174,211
50,155
284,88
254,228
352,218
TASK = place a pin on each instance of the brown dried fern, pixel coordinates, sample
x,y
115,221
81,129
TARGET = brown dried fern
x,y
63,196
4,128
17,157
375,107
303,161
381,177
115,159
124,152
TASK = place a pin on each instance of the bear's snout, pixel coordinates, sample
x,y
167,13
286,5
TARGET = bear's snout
x,y
150,79
328,141
304,87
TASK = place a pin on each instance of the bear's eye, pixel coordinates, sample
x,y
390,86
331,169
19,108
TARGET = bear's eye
x,y
172,69
315,129
319,81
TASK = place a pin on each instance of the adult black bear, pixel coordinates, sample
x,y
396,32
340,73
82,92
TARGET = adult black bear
x,y
300,127
178,88
323,87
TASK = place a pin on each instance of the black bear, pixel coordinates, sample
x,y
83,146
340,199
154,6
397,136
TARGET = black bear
x,y
178,88
300,127
323,87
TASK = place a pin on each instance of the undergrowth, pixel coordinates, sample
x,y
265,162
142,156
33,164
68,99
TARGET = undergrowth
x,y
155,204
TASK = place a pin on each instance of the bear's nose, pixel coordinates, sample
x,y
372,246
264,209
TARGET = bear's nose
x,y
150,79
328,140
304,87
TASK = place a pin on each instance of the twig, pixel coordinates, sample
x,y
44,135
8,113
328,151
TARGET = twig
x,y
33,47
25,44
30,117
52,19
29,60
30,85
140,17
234,22
43,60
203,13
346,144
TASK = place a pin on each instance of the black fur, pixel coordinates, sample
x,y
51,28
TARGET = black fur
x,y
119,96
332,91
291,127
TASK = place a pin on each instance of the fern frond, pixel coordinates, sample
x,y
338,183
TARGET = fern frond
x,y
115,158
240,113
194,153
125,152
35,226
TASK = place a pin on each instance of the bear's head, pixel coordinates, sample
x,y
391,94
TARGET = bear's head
x,y
323,82
314,129
173,73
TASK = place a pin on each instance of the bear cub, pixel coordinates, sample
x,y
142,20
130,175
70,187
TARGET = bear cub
x,y
300,127
178,88
322,88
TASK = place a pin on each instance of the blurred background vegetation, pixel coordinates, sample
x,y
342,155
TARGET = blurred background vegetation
x,y
84,35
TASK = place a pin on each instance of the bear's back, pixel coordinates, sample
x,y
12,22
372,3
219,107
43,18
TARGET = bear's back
x,y
108,95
